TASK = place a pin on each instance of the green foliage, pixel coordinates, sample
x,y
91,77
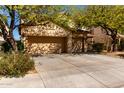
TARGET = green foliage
x,y
61,19
98,47
35,14
108,17
20,46
77,16
15,65
7,48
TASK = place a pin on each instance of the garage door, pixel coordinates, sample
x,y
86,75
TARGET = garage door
x,y
44,45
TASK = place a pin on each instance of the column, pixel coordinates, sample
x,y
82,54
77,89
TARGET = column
x,y
69,43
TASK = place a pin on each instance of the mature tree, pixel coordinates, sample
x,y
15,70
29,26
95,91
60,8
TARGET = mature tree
x,y
109,18
8,27
69,17
62,17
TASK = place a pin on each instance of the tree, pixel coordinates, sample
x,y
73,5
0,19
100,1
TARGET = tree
x,y
69,17
6,28
109,18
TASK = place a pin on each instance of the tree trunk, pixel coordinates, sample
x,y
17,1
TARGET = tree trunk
x,y
114,42
13,44
108,45
11,37
113,47
113,33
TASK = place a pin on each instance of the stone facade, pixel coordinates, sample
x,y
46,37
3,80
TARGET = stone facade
x,y
43,39
51,38
46,29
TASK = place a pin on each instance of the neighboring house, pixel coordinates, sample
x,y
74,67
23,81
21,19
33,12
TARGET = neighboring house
x,y
99,36
51,38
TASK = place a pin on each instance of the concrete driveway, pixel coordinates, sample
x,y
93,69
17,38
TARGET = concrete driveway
x,y
87,71
75,71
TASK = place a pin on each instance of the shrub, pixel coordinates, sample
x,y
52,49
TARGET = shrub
x,y
98,47
20,45
15,65
7,48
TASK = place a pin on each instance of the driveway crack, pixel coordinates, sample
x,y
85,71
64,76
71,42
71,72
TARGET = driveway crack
x,y
40,77
77,68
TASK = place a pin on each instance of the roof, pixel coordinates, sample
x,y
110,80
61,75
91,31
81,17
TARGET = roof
x,y
44,23
44,29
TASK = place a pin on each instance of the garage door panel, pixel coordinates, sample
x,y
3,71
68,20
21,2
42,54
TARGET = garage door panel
x,y
45,48
44,45
46,39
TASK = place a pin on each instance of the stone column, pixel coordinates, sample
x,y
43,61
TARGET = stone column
x,y
69,43
85,43
24,39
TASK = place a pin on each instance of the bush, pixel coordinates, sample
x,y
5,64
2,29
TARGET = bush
x,y
98,47
20,45
121,46
7,48
15,65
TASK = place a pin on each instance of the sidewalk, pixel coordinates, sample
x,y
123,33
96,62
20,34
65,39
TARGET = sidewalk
x,y
28,81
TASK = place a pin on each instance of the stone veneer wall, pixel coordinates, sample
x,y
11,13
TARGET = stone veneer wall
x,y
52,30
49,29
39,49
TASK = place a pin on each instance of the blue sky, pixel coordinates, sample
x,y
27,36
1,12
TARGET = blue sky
x,y
15,32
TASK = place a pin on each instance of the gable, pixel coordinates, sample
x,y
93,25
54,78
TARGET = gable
x,y
45,29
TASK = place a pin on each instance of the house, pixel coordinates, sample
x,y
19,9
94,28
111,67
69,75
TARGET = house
x,y
99,36
49,37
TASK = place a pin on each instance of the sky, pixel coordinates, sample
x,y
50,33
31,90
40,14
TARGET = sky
x,y
15,32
